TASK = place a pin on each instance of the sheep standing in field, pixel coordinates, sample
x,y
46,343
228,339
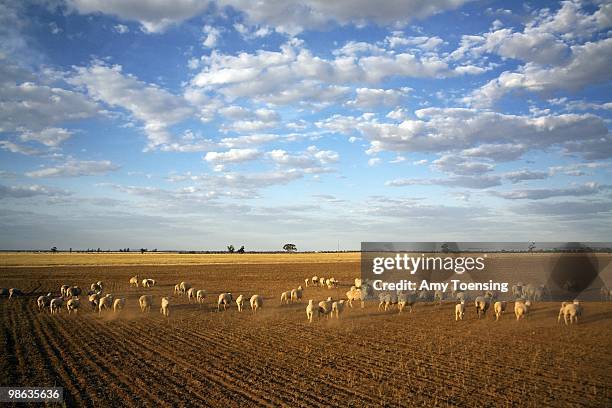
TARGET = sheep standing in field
x,y
570,310
405,299
322,282
73,291
225,299
118,305
461,296
285,297
325,307
73,305
177,289
191,294
200,296
184,287
459,310
256,303
482,305
538,294
145,302
439,296
310,310
97,287
338,307
529,292
56,305
296,294
386,300
148,283
306,281
499,308
355,294
43,301
94,300
165,307
315,280
64,289
240,302
134,281
521,308
106,302
517,291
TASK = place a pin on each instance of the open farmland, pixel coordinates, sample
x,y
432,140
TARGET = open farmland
x,y
367,358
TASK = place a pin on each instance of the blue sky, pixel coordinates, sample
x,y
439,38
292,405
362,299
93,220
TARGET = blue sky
x,y
195,124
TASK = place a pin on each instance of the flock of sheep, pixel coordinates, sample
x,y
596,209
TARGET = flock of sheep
x,y
525,296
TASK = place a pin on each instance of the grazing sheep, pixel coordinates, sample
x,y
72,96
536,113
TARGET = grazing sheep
x,y
459,310
97,287
73,305
355,294
225,299
63,290
165,307
570,310
177,289
55,306
461,296
405,299
94,300
200,296
296,294
325,307
118,305
43,301
184,287
439,296
521,309
106,302
358,282
285,297
517,291
482,305
191,294
529,292
134,281
14,292
338,308
314,280
148,283
321,282
306,281
73,291
256,303
499,308
145,302
310,310
240,302
386,301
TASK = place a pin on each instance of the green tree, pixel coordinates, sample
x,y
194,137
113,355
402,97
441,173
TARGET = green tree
x,y
230,249
290,247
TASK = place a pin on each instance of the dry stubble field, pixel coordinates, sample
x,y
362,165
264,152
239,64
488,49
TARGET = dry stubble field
x,y
275,358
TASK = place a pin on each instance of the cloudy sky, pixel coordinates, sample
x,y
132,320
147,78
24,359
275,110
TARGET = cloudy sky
x,y
194,124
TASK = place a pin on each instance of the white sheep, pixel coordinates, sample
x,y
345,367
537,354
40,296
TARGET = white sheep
x,y
285,297
405,299
63,290
570,310
56,305
165,307
521,308
94,300
200,296
184,287
118,305
225,299
240,302
14,292
73,305
386,300
517,291
314,280
306,281
321,281
106,302
191,294
310,310
355,294
145,302
97,287
296,294
499,308
148,283
256,303
482,304
325,307
134,281
73,291
43,301
338,308
177,289
459,310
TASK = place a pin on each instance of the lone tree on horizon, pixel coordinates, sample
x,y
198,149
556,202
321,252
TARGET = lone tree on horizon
x,y
290,247
230,249
240,250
